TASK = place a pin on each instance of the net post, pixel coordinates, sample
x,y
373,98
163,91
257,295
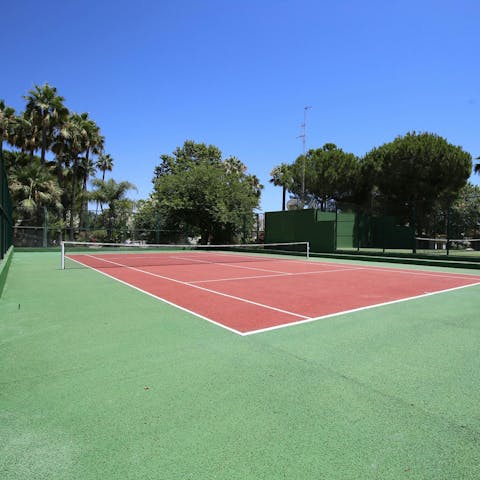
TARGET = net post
x,y
62,247
308,250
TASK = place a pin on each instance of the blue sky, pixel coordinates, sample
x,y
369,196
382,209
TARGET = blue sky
x,y
237,74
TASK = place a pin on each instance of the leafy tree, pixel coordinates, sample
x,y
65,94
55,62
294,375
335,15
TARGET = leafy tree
x,y
197,189
154,225
147,220
421,171
330,174
465,213
282,177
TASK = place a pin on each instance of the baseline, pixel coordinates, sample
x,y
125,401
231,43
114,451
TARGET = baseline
x,y
345,312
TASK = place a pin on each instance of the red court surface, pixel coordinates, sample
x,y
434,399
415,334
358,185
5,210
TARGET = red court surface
x,y
251,295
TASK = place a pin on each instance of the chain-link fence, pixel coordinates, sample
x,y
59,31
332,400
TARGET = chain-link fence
x,y
51,236
95,228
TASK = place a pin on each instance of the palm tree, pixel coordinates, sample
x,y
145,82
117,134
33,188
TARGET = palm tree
x,y
34,187
282,177
86,170
234,165
24,135
69,145
104,164
254,182
113,194
93,145
45,110
7,123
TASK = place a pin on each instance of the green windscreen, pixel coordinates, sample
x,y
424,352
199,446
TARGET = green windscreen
x,y
6,225
301,226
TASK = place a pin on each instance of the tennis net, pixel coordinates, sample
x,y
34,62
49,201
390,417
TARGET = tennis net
x,y
104,255
444,246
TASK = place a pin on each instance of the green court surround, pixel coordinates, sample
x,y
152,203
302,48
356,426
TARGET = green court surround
x,y
101,381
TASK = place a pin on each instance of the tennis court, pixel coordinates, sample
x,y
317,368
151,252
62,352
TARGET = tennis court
x,y
251,293
102,380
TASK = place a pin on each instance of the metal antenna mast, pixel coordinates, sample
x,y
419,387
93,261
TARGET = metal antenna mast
x,y
303,136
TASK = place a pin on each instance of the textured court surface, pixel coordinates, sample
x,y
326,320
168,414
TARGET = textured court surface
x,y
99,380
248,294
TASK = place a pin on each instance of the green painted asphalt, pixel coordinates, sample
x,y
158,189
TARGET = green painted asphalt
x,y
99,381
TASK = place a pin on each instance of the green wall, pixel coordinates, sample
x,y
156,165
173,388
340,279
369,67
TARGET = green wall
x,y
330,231
301,226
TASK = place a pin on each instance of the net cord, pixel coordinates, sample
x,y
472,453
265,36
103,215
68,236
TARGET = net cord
x,y
448,239
151,245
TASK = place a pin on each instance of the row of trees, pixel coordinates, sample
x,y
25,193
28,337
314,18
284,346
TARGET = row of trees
x,y
55,158
198,193
52,156
56,167
418,172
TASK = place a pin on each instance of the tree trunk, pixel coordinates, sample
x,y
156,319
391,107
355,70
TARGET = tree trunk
x,y
204,237
72,201
84,209
44,146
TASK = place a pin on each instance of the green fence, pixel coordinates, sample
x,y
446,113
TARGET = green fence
x,y
301,226
96,227
31,236
6,231
394,229
338,230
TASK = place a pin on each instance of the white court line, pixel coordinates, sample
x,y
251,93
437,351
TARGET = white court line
x,y
309,320
201,288
316,260
203,262
286,274
403,271
160,298
305,319
227,265
424,273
